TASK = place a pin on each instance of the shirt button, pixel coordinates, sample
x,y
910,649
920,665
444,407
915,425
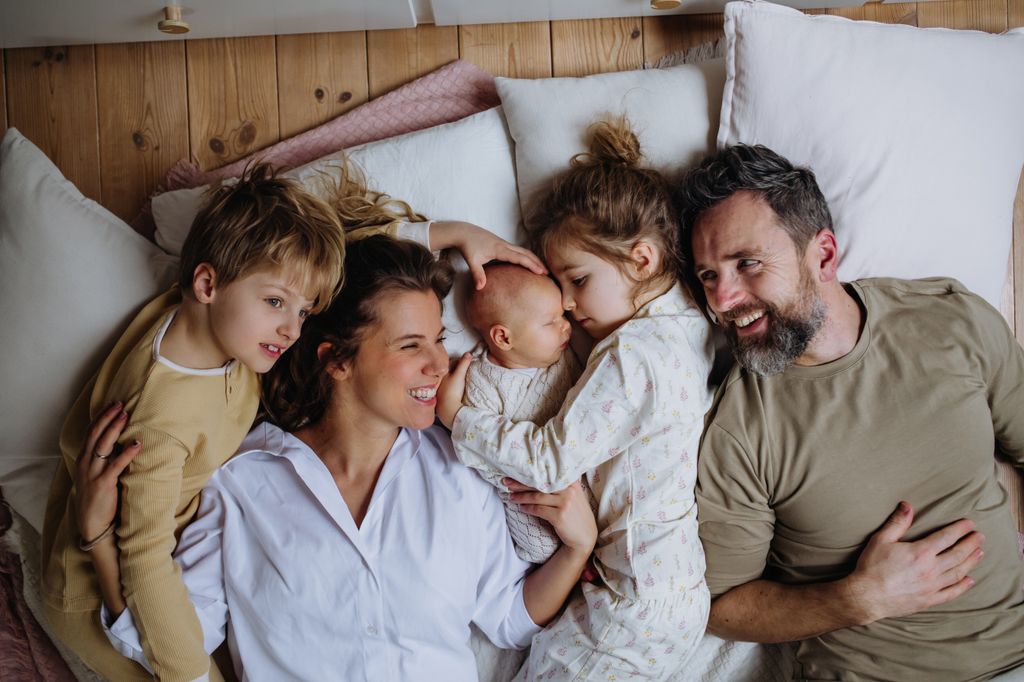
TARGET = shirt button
x,y
371,629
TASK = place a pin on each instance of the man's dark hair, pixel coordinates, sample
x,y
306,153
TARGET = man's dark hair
x,y
791,191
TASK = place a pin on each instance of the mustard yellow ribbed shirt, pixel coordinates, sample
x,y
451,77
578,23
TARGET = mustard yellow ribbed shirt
x,y
189,422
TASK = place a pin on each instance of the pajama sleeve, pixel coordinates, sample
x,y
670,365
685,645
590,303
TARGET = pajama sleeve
x,y
602,416
200,557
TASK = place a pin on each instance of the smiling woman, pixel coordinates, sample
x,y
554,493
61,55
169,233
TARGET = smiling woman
x,y
315,524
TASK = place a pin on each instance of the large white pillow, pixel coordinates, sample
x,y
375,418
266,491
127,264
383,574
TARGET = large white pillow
x,y
916,135
673,111
72,275
457,171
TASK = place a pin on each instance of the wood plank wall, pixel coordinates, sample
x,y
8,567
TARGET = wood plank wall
x,y
114,118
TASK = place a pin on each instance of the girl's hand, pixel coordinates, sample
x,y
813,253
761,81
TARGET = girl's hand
x,y
479,247
97,471
451,391
568,511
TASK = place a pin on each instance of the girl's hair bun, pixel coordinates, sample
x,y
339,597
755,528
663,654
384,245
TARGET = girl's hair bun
x,y
612,142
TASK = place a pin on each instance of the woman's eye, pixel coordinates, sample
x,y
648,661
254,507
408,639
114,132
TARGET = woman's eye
x,y
442,339
410,346
275,302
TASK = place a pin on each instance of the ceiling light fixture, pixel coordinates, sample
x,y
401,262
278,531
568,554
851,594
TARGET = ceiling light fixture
x,y
172,23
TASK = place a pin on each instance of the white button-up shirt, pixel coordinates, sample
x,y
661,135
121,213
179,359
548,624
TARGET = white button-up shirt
x,y
275,553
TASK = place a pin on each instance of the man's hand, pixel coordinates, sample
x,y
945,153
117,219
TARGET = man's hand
x,y
896,578
451,390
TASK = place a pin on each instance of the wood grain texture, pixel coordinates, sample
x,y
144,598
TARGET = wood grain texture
x,y
51,94
232,98
395,57
979,15
1014,13
319,76
3,93
896,13
668,34
143,114
520,50
586,46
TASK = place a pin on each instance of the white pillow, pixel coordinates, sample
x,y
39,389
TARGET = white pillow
x,y
457,171
916,135
72,275
673,111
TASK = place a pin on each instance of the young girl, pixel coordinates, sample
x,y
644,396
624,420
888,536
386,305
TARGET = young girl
x,y
632,423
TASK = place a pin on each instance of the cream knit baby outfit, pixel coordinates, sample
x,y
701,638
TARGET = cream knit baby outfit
x,y
533,395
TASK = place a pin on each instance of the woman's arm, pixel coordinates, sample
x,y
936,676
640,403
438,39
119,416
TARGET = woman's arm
x,y
96,475
479,247
569,513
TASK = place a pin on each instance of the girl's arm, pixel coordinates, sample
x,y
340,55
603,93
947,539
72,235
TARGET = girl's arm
x,y
611,407
569,512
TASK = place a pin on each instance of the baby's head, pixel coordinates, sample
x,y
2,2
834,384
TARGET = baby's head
x,y
608,231
519,316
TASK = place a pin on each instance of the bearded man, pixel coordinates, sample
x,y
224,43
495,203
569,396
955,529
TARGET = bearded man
x,y
849,400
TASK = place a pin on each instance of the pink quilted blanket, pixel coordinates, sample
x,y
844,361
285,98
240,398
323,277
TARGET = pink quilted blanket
x,y
454,91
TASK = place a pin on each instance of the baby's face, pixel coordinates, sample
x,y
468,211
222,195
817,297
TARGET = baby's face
x,y
538,328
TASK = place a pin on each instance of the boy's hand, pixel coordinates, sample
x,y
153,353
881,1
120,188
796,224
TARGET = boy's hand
x,y
568,511
451,391
479,247
97,470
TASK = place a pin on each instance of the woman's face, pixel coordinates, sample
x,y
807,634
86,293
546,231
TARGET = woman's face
x,y
393,379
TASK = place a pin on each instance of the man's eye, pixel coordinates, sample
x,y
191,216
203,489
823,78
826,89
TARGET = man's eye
x,y
747,262
706,276
275,302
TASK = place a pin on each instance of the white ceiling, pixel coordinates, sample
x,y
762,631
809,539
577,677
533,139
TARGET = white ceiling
x,y
26,23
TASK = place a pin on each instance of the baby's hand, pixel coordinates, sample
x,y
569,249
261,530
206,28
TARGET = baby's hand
x,y
568,511
451,392
97,471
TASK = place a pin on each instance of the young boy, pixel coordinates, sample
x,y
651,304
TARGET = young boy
x,y
260,257
525,372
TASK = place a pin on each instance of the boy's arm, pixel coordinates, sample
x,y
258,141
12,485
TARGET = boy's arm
x,y
151,581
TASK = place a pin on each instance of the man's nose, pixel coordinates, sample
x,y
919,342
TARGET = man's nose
x,y
724,294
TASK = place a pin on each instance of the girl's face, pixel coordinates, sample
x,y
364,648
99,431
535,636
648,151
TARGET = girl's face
x,y
392,380
598,294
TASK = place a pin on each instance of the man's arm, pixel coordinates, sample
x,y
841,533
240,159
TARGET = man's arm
x,y
892,578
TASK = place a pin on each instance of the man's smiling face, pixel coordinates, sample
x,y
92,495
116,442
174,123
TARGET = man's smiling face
x,y
761,289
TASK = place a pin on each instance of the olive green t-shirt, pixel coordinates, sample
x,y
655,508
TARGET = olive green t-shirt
x,y
798,470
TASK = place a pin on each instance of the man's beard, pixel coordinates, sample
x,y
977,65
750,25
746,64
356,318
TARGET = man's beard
x,y
789,333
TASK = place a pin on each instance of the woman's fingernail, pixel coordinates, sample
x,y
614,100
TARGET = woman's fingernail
x,y
123,415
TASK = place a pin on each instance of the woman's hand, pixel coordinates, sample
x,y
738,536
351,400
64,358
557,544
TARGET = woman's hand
x,y
450,392
97,470
568,511
479,247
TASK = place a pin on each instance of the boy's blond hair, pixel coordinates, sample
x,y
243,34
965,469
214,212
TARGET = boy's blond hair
x,y
265,221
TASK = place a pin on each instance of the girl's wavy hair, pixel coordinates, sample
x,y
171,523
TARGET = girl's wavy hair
x,y
605,203
298,389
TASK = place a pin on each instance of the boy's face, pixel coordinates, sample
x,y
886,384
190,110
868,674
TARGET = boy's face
x,y
538,328
256,317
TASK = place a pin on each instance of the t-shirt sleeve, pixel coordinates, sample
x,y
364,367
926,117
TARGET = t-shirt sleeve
x,y
1003,366
736,522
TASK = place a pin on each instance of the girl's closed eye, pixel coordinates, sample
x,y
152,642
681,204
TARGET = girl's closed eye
x,y
579,281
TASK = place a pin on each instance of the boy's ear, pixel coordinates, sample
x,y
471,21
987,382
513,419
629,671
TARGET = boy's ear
x,y
645,258
500,336
204,282
337,371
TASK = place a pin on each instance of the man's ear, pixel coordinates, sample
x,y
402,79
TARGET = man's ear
x,y
337,371
645,258
825,254
204,283
500,336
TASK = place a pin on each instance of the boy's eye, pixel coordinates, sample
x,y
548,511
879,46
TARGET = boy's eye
x,y
275,302
303,314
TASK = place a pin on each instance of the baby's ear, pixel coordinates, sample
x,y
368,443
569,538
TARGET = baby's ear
x,y
500,336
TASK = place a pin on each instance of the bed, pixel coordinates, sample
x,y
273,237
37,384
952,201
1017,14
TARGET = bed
x,y
72,272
